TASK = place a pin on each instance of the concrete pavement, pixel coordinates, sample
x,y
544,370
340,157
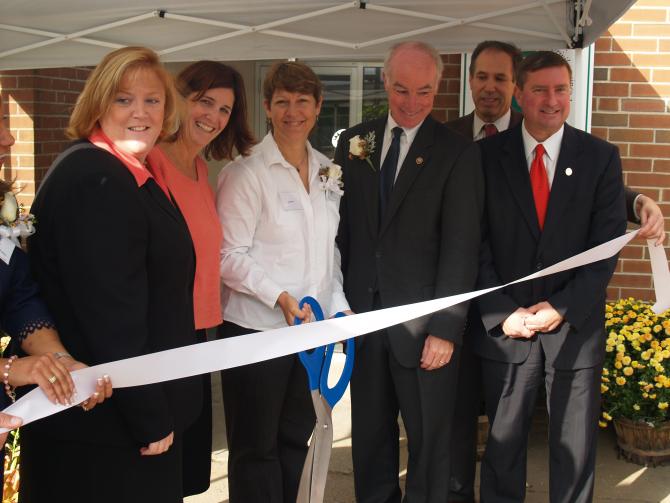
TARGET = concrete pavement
x,y
617,481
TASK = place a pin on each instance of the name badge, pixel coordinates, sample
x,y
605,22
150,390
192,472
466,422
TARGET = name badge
x,y
290,201
6,250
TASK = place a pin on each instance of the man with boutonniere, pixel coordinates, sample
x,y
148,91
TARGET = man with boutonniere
x,y
409,232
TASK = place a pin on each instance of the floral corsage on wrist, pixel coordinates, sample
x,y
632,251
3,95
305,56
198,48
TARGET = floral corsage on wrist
x,y
15,223
331,180
362,148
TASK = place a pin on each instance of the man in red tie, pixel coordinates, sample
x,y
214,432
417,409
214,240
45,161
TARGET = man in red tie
x,y
552,191
492,78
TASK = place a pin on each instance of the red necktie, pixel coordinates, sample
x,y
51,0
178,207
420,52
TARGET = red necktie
x,y
540,184
490,130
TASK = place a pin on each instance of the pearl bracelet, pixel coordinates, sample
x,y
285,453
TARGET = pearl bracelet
x,y
5,378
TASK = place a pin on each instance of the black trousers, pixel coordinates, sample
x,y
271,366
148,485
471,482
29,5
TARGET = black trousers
x,y
573,402
197,445
269,419
464,431
469,404
380,388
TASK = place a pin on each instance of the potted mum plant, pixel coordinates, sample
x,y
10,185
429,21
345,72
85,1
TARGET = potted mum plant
x,y
635,386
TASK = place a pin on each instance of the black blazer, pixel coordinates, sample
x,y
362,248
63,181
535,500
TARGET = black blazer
x,y
463,125
585,209
115,263
426,245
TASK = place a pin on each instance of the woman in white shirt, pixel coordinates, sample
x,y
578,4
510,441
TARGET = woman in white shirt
x,y
279,210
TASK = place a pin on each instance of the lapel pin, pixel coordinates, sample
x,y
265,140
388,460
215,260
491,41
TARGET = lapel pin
x,y
419,161
568,171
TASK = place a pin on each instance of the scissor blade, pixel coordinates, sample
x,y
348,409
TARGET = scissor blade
x,y
306,478
323,448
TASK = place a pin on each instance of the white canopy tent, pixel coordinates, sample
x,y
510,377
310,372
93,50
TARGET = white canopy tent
x,y
57,33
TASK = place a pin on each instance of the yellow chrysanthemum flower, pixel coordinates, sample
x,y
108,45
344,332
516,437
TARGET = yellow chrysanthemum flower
x,y
662,405
621,380
606,416
627,371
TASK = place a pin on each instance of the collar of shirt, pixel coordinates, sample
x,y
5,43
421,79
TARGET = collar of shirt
x,y
406,140
501,125
552,147
273,156
136,168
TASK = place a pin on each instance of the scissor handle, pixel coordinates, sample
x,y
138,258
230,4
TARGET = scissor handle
x,y
334,394
313,361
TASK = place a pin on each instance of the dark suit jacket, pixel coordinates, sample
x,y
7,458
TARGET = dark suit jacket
x,y
425,247
115,262
585,210
463,125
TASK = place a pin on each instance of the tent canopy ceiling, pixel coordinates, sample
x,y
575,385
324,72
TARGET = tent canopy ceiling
x,y
55,33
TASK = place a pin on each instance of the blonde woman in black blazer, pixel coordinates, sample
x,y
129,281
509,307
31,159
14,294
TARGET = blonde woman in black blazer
x,y
115,262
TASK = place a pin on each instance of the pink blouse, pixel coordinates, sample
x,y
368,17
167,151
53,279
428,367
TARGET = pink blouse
x,y
196,202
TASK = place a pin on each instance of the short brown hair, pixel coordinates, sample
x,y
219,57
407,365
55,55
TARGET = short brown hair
x,y
105,81
495,45
294,77
201,76
539,61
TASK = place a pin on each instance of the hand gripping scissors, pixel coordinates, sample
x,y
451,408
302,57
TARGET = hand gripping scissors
x,y
317,363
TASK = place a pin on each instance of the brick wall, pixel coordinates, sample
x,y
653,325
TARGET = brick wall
x,y
37,107
631,93
448,95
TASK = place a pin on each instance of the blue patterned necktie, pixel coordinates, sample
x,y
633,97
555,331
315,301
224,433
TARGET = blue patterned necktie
x,y
388,171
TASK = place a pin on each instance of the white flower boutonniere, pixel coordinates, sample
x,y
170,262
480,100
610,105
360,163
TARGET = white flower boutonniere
x,y
331,179
15,223
363,148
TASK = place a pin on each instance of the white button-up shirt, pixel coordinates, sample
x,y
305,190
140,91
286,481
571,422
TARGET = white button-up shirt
x,y
276,237
552,147
406,138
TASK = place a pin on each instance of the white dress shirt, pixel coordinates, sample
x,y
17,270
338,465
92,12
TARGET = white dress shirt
x,y
406,139
552,147
502,124
276,237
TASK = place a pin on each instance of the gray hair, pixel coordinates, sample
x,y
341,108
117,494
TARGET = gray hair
x,y
423,47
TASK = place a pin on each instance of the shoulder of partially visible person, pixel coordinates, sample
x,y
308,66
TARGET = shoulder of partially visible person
x,y
462,125
455,138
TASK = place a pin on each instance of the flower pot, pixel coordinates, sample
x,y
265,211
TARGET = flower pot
x,y
641,443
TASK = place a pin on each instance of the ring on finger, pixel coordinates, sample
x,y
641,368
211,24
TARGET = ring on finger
x,y
442,363
52,379
84,405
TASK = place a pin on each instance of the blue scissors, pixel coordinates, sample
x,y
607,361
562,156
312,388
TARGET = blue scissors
x,y
317,363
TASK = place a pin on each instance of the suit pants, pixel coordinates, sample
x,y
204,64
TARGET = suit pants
x,y
380,388
466,420
269,419
573,400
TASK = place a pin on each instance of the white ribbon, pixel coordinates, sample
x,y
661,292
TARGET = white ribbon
x,y
227,353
